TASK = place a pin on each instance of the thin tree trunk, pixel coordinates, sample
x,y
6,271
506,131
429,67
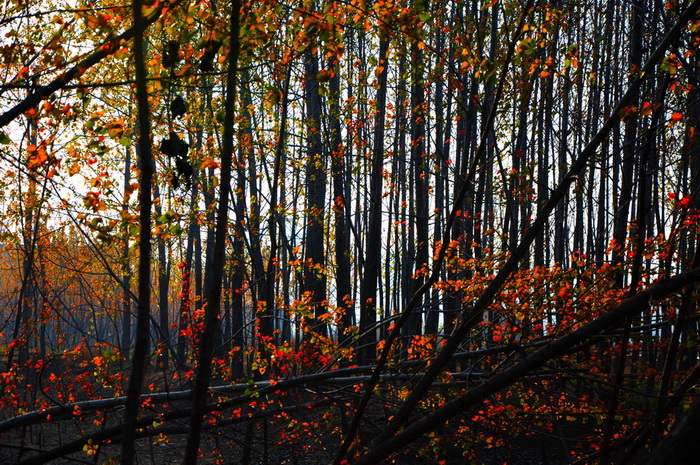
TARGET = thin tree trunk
x,y
215,277
420,186
187,281
373,246
163,343
143,313
340,208
125,344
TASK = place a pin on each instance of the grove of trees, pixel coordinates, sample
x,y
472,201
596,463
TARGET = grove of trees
x,y
349,232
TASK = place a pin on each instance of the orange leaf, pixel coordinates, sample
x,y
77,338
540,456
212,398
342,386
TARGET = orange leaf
x,y
208,162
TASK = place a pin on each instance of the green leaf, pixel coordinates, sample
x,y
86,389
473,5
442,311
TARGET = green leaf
x,y
4,140
125,141
170,215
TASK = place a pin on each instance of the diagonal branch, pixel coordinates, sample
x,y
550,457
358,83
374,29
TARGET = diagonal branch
x,y
441,253
633,305
101,52
471,316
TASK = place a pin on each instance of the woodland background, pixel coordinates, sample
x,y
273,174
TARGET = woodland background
x,y
349,232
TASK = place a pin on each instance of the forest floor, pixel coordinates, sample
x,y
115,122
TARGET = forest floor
x,y
517,451
229,446
275,442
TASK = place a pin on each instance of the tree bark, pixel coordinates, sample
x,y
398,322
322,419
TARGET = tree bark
x,y
143,313
373,245
214,282
314,278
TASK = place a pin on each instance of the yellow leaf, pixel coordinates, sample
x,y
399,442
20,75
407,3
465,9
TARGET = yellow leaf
x,y
208,162
149,10
116,129
121,53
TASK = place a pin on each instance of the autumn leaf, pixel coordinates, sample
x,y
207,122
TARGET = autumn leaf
x,y
208,162
272,98
74,168
37,156
115,129
324,75
23,73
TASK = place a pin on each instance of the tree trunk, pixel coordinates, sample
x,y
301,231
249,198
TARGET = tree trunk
x,y
143,313
214,282
314,279
341,229
373,245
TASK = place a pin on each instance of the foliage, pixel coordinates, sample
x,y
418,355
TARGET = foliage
x,y
381,230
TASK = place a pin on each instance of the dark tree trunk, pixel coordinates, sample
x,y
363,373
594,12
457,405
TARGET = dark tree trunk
x,y
163,343
215,277
314,279
340,211
373,252
125,341
143,314
420,187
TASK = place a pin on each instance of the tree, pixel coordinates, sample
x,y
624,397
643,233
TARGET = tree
x,y
400,230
